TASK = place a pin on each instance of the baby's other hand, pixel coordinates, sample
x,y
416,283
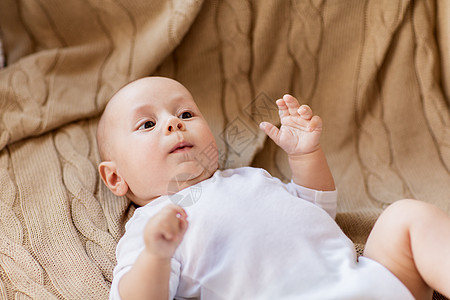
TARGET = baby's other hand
x,y
164,232
299,132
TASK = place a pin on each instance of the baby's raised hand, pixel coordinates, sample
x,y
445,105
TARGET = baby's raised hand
x,y
299,132
164,231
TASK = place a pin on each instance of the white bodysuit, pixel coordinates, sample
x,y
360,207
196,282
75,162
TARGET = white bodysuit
x,y
251,236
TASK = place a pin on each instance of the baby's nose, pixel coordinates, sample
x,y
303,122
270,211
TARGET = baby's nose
x,y
175,124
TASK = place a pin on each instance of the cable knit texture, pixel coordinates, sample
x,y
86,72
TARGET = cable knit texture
x,y
376,71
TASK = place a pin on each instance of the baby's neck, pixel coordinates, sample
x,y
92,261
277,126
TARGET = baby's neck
x,y
181,182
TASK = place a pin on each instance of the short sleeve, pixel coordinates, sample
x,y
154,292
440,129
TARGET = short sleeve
x,y
327,200
173,283
131,245
127,251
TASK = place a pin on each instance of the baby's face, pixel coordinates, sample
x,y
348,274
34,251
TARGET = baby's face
x,y
160,142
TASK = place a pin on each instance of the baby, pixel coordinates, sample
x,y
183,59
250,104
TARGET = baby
x,y
245,234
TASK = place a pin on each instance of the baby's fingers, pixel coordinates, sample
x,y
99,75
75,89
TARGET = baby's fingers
x,y
170,231
282,108
182,223
305,112
170,222
177,223
180,212
315,124
272,131
292,104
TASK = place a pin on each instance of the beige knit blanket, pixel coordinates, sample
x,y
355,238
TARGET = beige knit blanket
x,y
376,71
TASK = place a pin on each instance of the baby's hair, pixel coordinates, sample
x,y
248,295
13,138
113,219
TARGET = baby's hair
x,y
102,139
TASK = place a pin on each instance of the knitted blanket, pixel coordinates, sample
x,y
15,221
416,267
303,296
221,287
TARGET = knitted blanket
x,y
376,71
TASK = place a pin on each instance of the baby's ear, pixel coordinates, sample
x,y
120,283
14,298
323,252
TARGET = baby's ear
x,y
109,175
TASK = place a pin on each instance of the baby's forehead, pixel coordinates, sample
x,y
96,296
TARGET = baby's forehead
x,y
150,92
123,100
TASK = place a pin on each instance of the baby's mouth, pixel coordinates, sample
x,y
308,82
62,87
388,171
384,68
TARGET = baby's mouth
x,y
181,147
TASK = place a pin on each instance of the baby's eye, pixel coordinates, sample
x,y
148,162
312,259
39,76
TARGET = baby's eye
x,y
147,125
185,115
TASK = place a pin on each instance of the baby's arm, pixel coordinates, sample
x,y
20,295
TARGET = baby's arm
x,y
149,277
299,136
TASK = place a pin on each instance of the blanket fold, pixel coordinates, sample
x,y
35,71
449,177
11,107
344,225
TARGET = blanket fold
x,y
66,59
